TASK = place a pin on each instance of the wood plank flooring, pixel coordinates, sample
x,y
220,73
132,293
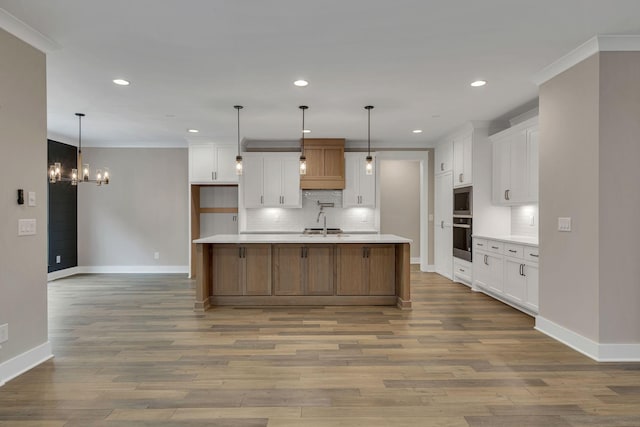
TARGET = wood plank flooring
x,y
131,352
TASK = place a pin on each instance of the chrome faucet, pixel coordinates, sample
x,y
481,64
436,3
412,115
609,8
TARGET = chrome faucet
x,y
324,214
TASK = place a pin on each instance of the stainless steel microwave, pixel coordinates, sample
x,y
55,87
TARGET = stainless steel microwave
x,y
463,201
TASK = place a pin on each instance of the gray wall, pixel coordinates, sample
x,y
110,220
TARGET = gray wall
x,y
619,179
143,210
23,143
569,188
589,150
400,200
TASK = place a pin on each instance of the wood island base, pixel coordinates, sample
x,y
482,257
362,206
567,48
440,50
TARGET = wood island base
x,y
302,274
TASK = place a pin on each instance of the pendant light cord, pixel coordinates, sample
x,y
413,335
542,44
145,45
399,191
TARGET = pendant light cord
x,y
302,107
238,108
368,108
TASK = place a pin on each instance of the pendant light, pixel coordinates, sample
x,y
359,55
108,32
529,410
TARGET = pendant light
x,y
303,159
369,159
238,157
55,170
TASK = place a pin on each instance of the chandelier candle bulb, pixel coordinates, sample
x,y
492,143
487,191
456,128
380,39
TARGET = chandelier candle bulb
x,y
85,172
52,174
74,176
105,176
99,176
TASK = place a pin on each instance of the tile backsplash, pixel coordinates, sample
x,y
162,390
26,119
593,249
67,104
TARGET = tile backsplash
x,y
295,220
521,219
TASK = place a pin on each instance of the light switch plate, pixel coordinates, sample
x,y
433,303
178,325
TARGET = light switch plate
x,y
26,227
564,224
32,198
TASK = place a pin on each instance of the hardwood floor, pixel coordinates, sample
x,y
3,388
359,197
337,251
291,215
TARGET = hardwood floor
x,y
131,352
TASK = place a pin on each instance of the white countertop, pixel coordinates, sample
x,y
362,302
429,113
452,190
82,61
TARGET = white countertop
x,y
300,238
520,240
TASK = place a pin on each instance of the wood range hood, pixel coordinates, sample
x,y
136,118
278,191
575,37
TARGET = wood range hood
x,y
325,164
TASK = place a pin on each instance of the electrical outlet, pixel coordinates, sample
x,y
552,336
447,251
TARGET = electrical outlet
x,y
532,220
58,259
4,333
156,255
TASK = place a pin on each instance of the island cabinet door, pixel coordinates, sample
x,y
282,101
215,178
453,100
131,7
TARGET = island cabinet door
x,y
319,264
382,269
257,269
226,270
351,278
288,269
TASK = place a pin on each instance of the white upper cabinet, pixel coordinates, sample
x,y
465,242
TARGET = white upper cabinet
x,y
271,180
252,180
515,164
444,157
462,161
360,188
212,163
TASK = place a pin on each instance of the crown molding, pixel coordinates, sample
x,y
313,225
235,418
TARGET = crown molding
x,y
600,43
26,33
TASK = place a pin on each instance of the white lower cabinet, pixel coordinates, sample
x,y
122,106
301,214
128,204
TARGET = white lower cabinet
x,y
462,271
508,272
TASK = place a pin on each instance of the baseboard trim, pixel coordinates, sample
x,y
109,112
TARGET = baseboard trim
x,y
119,269
24,362
600,352
414,260
128,269
61,274
431,268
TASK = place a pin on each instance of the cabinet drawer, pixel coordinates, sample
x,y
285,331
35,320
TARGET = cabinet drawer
x,y
462,272
496,247
512,250
531,254
480,244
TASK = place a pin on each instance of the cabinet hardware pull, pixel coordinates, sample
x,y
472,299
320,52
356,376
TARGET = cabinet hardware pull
x,y
442,166
213,178
239,252
485,260
524,275
301,251
461,270
534,255
480,244
261,200
495,247
364,252
512,251
461,175
442,224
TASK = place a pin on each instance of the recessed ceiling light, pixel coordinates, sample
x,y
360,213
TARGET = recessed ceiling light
x,y
193,130
417,131
301,83
121,82
478,83
306,131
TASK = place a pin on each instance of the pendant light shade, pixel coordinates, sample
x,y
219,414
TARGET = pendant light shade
x,y
369,159
56,172
238,157
303,159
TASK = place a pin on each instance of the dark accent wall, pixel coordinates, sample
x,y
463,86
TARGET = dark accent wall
x,y
63,210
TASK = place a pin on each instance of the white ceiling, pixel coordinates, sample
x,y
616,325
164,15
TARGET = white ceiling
x,y
190,61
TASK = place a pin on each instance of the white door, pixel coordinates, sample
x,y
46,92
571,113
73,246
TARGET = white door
x,y
518,169
252,181
481,271
515,283
444,157
201,162
458,162
500,172
467,161
443,224
226,164
291,194
531,274
272,181
532,161
351,193
495,265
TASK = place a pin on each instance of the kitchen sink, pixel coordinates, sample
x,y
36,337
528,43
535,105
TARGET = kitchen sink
x,y
316,231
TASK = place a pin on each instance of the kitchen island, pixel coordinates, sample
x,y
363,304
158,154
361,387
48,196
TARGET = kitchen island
x,y
295,269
